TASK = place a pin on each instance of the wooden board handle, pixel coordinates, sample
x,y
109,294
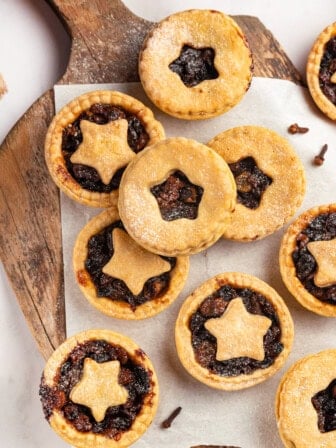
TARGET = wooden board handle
x,y
106,38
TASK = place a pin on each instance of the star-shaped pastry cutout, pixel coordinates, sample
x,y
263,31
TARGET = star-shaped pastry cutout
x,y
133,264
104,147
99,388
324,253
333,78
324,403
238,332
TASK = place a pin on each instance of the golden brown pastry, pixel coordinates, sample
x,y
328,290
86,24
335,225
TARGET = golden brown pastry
x,y
233,331
176,197
305,402
321,71
308,259
119,277
196,64
269,176
99,390
92,139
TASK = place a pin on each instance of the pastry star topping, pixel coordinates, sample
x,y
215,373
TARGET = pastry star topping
x,y
333,78
133,264
99,388
324,253
238,332
104,147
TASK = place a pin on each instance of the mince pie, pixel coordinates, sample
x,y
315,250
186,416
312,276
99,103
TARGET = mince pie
x,y
233,332
121,278
196,64
92,139
306,402
321,71
308,259
269,176
182,205
99,390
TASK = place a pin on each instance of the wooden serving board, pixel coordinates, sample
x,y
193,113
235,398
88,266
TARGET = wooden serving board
x,y
106,38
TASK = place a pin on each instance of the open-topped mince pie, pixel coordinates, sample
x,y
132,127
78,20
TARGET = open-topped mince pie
x,y
321,71
176,197
233,332
269,176
99,390
92,139
121,278
196,64
306,402
308,259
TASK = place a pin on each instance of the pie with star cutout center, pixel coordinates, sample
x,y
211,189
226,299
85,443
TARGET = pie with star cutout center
x,y
99,390
92,139
196,64
308,259
269,176
121,278
181,206
233,331
305,404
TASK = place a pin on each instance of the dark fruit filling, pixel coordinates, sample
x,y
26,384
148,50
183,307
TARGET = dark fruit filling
x,y
87,176
205,344
325,404
327,69
100,251
322,228
135,378
177,197
251,182
194,65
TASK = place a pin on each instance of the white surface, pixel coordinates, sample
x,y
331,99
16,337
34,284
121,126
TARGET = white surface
x,y
243,418
33,54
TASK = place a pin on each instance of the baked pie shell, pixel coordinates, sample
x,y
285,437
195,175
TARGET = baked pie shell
x,y
183,333
313,70
277,159
139,210
67,115
295,414
200,29
287,267
118,308
91,440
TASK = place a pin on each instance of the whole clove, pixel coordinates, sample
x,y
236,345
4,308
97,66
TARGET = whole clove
x,y
296,129
213,446
167,423
319,159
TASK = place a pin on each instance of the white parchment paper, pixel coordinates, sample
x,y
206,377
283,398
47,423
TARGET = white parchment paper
x,y
244,418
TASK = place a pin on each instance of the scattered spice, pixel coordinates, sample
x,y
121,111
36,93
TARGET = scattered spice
x,y
167,423
319,159
3,87
296,129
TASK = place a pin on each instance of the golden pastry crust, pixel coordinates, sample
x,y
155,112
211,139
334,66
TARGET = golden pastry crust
x,y
276,158
183,334
67,115
143,419
139,210
287,267
313,70
118,308
198,29
295,414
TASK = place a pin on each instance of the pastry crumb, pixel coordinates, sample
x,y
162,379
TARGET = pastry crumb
x,y
3,87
